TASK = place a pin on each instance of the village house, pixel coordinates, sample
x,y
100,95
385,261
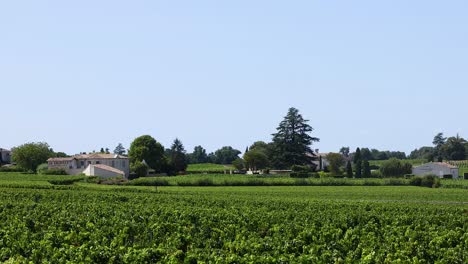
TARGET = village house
x,y
440,169
94,164
5,156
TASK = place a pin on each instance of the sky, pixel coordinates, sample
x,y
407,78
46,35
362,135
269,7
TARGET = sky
x,y
81,75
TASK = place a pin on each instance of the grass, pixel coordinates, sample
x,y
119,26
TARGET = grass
x,y
208,168
414,162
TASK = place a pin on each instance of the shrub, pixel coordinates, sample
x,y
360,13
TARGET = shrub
x,y
149,182
300,174
11,169
41,168
65,181
140,169
431,181
299,168
54,172
376,174
395,168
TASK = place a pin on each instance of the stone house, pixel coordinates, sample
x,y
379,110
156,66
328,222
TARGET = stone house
x,y
440,169
5,156
111,163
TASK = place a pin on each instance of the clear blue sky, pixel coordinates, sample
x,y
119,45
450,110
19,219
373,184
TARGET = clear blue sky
x,y
82,75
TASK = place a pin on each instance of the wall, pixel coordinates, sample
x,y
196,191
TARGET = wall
x,y
436,169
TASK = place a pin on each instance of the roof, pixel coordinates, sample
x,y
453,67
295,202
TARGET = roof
x,y
90,156
6,150
444,164
61,159
100,156
108,168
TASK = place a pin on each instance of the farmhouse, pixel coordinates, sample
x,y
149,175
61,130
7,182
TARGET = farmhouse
x,y
95,164
5,156
440,169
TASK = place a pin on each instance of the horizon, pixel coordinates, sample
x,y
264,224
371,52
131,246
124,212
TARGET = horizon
x,y
81,76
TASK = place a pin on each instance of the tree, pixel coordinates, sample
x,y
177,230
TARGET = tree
x,y
198,155
349,169
178,159
148,149
395,168
358,169
366,154
239,164
357,156
102,150
335,161
139,168
256,159
357,159
366,172
453,148
426,153
30,155
438,141
226,155
345,151
291,142
119,150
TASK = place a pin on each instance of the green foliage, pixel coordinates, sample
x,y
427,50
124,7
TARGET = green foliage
x,y
42,167
366,172
291,142
395,168
139,168
148,149
358,170
239,164
68,181
30,155
300,168
256,159
178,159
454,148
53,172
226,155
349,169
431,181
198,155
119,150
336,161
208,168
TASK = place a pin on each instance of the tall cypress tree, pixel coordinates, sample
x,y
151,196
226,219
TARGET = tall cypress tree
x,y
349,169
292,141
358,170
357,159
366,172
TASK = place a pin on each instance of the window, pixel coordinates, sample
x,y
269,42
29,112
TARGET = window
x,y
98,162
113,163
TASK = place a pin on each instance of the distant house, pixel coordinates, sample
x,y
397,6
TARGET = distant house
x,y
441,169
5,156
86,163
103,171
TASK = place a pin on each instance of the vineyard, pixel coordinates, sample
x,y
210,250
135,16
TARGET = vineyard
x,y
462,166
128,224
209,168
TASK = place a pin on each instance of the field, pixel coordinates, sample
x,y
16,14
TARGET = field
x,y
86,222
208,168
414,162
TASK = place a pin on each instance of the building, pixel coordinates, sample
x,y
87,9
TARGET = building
x,y
5,156
103,171
80,163
440,169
